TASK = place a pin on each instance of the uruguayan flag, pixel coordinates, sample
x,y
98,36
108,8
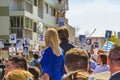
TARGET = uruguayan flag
x,y
108,46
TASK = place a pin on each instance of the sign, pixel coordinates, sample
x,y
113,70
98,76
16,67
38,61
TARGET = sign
x,y
26,42
19,43
40,37
25,51
88,41
82,38
108,34
12,38
1,43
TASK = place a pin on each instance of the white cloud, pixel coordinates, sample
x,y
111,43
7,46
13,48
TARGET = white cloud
x,y
100,14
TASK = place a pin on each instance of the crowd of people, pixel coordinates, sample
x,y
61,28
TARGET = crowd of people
x,y
62,60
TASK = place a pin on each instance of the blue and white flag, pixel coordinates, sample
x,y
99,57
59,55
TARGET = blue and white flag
x,y
108,46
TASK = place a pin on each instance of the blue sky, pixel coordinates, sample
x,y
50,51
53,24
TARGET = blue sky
x,y
86,15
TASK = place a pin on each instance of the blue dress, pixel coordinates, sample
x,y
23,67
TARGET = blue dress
x,y
52,64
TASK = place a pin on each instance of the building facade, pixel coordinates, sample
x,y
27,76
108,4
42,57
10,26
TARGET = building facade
x,y
28,18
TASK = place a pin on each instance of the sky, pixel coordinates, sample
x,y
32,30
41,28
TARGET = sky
x,y
89,15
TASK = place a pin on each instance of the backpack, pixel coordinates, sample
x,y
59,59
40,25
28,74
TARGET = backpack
x,y
38,66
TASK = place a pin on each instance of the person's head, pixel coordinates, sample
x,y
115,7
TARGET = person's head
x,y
63,33
52,40
114,58
16,62
19,75
76,59
34,71
77,75
102,59
36,56
100,51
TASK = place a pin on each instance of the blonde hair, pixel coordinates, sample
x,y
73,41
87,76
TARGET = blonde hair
x,y
19,75
76,75
52,40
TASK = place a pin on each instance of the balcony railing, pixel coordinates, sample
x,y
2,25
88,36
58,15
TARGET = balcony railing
x,y
28,7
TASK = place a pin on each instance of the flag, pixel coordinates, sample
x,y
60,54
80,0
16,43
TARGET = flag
x,y
108,46
114,38
60,22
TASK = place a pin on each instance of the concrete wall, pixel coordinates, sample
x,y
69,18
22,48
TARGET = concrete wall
x,y
4,2
4,25
47,18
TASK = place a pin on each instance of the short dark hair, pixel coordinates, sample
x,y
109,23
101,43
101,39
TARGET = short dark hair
x,y
63,33
36,56
114,55
34,71
18,62
76,59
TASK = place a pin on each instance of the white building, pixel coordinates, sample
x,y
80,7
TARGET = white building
x,y
28,18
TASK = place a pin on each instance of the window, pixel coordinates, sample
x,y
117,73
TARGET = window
x,y
28,23
35,27
53,12
16,21
46,5
66,1
35,2
13,31
28,34
11,21
19,32
22,20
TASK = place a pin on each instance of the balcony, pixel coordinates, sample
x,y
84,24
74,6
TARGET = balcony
x,y
19,6
62,4
28,7
16,5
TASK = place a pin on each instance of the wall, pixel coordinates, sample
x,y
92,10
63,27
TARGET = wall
x,y
4,25
4,2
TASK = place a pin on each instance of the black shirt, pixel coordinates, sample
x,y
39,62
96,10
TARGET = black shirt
x,y
66,45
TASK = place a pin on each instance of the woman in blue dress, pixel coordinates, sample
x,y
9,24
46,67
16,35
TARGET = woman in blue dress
x,y
52,61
